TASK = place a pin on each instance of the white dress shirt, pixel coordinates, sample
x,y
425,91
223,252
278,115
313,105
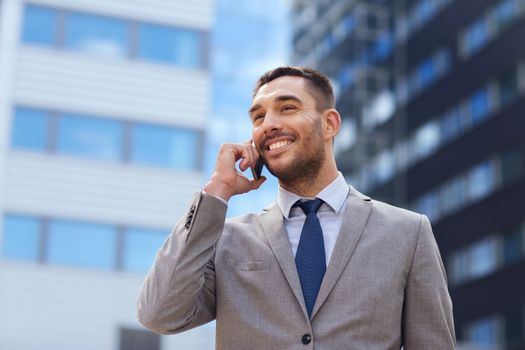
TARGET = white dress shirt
x,y
330,213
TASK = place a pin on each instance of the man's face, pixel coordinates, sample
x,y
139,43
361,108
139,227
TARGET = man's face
x,y
287,129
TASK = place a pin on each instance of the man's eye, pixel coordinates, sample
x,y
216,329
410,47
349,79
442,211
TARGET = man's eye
x,y
258,116
288,108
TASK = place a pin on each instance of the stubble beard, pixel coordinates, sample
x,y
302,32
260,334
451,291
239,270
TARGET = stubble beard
x,y
305,167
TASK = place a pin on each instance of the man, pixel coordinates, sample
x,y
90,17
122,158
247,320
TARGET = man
x,y
338,272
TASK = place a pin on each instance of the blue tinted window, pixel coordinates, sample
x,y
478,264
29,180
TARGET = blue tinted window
x,y
506,12
164,146
479,105
183,47
81,244
452,124
91,137
96,34
426,73
30,129
21,239
40,25
477,36
140,248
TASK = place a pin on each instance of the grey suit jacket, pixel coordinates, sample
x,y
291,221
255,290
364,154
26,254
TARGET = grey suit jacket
x,y
385,286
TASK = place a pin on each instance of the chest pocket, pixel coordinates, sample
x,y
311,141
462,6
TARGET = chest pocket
x,y
249,265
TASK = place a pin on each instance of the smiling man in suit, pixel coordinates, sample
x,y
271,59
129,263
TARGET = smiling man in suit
x,y
325,267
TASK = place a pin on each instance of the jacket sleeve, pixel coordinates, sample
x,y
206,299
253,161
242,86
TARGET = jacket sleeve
x,y
179,291
427,312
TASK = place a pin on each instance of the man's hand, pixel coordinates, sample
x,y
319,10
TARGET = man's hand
x,y
226,180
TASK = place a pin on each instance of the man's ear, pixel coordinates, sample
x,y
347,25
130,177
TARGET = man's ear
x,y
332,123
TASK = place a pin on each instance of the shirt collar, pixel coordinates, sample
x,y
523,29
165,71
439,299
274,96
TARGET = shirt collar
x,y
334,195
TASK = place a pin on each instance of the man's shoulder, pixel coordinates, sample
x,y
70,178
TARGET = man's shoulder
x,y
386,211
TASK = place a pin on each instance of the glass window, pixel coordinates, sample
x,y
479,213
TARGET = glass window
x,y
40,25
21,238
81,244
384,166
480,181
476,36
483,257
426,73
91,137
426,139
483,332
513,245
30,129
428,205
459,267
160,43
96,34
505,12
511,165
164,146
452,124
452,195
508,87
514,328
479,105
141,247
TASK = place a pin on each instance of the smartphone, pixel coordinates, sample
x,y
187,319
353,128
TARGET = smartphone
x,y
257,168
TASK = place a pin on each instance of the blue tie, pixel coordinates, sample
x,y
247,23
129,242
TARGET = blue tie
x,y
310,256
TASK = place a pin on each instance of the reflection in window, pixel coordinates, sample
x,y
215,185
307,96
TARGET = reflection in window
x,y
96,34
483,257
476,260
452,124
476,36
508,87
21,238
30,129
426,139
513,247
429,205
452,195
505,12
483,332
108,36
164,146
140,248
40,25
91,137
479,105
81,244
480,181
183,47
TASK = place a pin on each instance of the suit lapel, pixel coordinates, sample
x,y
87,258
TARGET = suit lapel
x,y
357,210
273,226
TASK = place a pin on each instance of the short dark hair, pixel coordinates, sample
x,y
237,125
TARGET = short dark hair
x,y
318,84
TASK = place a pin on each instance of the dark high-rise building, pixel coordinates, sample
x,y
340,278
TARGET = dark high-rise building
x,y
432,94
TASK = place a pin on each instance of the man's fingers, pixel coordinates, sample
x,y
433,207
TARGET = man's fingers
x,y
257,183
248,157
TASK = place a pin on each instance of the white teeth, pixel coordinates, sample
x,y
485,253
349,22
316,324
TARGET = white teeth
x,y
278,144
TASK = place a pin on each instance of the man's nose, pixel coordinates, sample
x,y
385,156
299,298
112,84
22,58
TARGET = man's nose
x,y
271,122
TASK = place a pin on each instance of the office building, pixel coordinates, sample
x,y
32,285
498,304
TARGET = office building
x,y
439,131
103,108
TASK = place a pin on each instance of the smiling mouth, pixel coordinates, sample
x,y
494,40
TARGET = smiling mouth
x,y
278,144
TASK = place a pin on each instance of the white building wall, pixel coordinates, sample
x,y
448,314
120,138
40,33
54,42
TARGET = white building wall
x,y
51,307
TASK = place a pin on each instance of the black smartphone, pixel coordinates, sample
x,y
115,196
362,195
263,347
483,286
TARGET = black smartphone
x,y
257,168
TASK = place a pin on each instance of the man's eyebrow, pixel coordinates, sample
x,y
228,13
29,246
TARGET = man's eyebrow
x,y
280,98
288,98
254,108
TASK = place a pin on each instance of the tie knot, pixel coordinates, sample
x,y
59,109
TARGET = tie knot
x,y
311,206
